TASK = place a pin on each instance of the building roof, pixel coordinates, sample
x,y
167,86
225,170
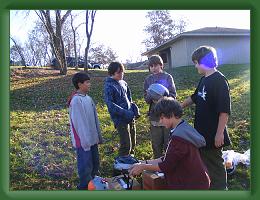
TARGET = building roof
x,y
207,31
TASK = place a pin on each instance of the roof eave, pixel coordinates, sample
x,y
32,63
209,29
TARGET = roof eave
x,y
169,42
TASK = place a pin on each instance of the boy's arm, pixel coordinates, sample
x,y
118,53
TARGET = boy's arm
x,y
112,107
219,138
187,102
147,98
129,95
172,88
97,123
138,168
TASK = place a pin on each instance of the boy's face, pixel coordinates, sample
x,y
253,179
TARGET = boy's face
x,y
200,67
167,122
85,86
155,68
118,75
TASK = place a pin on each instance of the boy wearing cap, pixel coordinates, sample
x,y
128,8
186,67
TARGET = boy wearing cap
x,y
159,134
182,165
212,100
85,130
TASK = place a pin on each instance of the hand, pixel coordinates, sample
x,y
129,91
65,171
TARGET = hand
x,y
219,140
136,169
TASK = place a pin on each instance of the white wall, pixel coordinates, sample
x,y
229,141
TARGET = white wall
x,y
179,53
230,49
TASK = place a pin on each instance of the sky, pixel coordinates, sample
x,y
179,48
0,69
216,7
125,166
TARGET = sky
x,y
122,30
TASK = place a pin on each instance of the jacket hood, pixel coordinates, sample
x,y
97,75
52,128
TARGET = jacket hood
x,y
187,132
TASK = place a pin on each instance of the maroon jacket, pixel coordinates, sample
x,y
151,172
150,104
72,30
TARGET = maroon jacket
x,y
183,167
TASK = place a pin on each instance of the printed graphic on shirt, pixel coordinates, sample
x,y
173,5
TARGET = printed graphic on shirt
x,y
203,93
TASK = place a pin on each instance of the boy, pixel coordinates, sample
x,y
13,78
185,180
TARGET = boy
x,y
85,130
181,165
159,134
122,111
212,100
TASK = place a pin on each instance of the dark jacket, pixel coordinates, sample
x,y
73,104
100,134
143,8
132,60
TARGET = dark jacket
x,y
182,164
118,99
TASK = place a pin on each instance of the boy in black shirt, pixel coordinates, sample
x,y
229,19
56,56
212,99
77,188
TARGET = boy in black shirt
x,y
213,108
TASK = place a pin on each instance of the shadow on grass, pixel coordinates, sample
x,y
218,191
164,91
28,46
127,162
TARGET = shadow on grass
x,y
52,93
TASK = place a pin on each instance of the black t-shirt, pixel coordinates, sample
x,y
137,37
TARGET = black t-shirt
x,y
211,98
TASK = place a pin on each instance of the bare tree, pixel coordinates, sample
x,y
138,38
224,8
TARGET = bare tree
x,y
90,18
74,31
161,28
54,31
38,46
103,55
19,51
181,25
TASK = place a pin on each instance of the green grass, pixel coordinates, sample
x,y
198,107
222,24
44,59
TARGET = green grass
x,y
41,154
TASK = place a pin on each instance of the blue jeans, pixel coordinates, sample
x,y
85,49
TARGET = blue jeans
x,y
88,165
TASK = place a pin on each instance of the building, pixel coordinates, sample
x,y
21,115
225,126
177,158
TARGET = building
x,y
232,45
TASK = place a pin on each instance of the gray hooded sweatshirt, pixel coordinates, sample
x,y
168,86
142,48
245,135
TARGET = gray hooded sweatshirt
x,y
187,132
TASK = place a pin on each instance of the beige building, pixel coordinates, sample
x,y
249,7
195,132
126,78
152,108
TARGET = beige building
x,y
232,45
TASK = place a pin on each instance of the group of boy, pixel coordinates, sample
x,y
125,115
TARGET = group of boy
x,y
190,158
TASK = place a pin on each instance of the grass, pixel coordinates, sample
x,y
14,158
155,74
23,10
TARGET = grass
x,y
41,154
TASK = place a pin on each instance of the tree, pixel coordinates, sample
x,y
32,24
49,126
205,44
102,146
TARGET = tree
x,y
90,15
180,26
103,55
54,31
38,46
74,31
19,50
161,28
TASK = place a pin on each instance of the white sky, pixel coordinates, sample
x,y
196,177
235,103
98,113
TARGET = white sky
x,y
122,30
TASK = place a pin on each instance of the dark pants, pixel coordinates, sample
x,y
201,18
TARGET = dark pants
x,y
88,165
214,162
160,138
127,134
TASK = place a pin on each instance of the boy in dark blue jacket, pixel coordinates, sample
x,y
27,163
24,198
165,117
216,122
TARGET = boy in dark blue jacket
x,y
122,111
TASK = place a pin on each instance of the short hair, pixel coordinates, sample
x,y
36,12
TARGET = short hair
x,y
206,55
168,107
154,60
114,67
79,77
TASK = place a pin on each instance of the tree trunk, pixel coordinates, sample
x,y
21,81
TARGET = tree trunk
x,y
56,39
19,52
89,33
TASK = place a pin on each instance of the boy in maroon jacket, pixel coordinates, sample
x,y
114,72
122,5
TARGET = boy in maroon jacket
x,y
181,164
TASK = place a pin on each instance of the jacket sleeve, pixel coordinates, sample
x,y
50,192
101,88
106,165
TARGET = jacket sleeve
x,y
97,123
113,108
147,97
79,120
129,95
172,88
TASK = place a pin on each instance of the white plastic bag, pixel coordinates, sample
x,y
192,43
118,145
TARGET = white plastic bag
x,y
232,158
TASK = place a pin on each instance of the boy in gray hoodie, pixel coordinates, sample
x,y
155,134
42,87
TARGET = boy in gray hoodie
x,y
181,164
85,130
159,134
